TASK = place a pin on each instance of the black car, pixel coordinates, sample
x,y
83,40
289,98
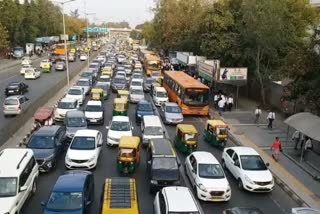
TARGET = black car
x,y
47,143
243,210
16,88
118,83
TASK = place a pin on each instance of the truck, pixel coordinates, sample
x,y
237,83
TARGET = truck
x,y
208,70
29,49
188,62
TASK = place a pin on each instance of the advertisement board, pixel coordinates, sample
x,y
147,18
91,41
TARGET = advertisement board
x,y
230,74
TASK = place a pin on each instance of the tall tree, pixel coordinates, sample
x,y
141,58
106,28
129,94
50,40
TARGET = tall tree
x,y
3,37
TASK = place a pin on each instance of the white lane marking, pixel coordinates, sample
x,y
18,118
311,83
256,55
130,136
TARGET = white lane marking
x,y
276,202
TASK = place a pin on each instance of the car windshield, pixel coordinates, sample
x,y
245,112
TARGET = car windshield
x,y
76,122
137,76
86,74
83,83
63,201
150,81
136,83
94,108
83,143
41,142
13,84
173,109
104,79
9,102
136,92
66,105
8,187
196,97
145,107
93,66
210,171
252,162
162,94
153,130
154,65
102,85
119,81
120,126
74,92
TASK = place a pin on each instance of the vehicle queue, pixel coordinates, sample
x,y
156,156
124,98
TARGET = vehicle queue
x,y
177,95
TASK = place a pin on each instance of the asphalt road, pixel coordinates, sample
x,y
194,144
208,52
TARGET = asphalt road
x,y
37,88
276,202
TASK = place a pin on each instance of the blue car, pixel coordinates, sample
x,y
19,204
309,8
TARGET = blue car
x,y
73,193
143,108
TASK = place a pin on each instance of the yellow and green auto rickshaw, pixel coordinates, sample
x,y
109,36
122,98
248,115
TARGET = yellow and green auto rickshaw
x,y
46,67
186,139
96,94
123,94
129,154
120,107
216,132
107,71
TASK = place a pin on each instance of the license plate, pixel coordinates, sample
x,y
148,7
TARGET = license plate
x,y
10,91
93,120
216,197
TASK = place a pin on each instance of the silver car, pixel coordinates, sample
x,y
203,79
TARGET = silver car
x,y
85,84
60,66
136,94
171,113
15,105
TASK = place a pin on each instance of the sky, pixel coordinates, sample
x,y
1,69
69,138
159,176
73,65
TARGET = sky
x,y
133,11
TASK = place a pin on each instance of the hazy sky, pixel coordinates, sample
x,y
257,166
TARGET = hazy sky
x,y
133,11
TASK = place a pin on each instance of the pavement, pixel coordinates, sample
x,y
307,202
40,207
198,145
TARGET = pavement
x,y
295,176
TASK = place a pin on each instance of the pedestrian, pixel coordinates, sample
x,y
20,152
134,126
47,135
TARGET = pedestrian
x,y
171,67
257,114
216,100
307,147
276,148
221,104
230,102
296,137
224,99
271,117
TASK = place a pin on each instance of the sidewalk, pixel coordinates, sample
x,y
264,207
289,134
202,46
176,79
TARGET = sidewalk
x,y
295,176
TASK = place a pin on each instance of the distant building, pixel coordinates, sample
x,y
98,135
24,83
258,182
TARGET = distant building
x,y
315,3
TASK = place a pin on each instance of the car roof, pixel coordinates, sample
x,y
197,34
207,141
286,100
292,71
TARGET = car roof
x,y
137,80
71,181
205,157
86,133
76,87
180,199
10,161
14,97
171,104
243,150
47,130
162,147
75,114
144,102
83,79
151,120
94,103
68,100
120,118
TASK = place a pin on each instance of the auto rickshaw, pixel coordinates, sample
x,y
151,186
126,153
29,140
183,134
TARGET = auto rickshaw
x,y
120,107
129,154
123,94
107,71
46,68
43,117
96,94
186,139
216,133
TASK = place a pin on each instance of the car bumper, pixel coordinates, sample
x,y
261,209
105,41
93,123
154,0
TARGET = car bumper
x,y
94,120
207,196
173,121
84,165
159,103
156,186
258,188
12,93
112,142
11,112
45,166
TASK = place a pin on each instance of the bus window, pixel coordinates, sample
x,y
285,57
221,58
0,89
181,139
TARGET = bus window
x,y
196,97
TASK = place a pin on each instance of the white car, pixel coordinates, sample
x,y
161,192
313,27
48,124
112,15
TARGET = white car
x,y
304,210
83,57
248,168
128,69
24,68
136,94
136,84
26,61
85,85
84,149
32,74
94,112
77,93
119,126
159,96
175,199
123,74
63,106
207,177
121,59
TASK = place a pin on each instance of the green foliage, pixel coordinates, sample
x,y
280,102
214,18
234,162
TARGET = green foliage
x,y
136,35
122,24
3,37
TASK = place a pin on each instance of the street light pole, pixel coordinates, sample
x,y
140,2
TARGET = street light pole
x,y
86,14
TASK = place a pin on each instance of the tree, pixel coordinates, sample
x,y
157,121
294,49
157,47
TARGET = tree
x,y
136,35
139,27
3,37
122,24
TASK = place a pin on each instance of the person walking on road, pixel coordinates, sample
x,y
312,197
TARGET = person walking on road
x,y
307,147
276,148
257,114
221,104
230,102
271,117
296,137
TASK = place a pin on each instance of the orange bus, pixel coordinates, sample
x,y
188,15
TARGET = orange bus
x,y
152,63
59,49
191,95
144,53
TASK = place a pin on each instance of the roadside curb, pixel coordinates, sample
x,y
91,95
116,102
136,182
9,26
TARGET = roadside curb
x,y
299,200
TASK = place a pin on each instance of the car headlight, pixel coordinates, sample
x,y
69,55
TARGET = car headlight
x,y
248,179
139,115
228,189
154,182
92,158
201,187
68,159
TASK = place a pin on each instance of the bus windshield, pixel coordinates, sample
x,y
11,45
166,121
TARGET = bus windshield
x,y
196,97
154,65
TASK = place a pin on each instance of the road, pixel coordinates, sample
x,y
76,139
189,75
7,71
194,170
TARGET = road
x,y
276,202
37,88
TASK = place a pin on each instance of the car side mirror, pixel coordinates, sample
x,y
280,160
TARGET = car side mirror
x,y
88,203
107,127
236,164
43,203
23,188
267,164
99,144
27,98
149,162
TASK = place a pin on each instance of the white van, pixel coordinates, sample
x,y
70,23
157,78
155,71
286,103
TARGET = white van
x,y
19,173
151,128
159,96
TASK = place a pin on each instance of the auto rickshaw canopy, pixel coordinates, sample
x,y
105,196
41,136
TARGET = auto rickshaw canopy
x,y
131,142
187,128
119,101
96,91
123,93
216,123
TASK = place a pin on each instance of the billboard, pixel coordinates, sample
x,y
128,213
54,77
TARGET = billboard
x,y
230,74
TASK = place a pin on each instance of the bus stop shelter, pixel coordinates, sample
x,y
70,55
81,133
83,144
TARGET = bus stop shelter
x,y
306,123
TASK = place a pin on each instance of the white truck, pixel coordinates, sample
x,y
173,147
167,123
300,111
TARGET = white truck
x,y
30,49
189,62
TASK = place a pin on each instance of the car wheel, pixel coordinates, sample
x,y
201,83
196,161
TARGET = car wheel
x,y
34,187
240,184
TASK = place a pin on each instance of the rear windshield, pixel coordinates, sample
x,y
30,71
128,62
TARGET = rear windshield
x,y
11,102
66,105
74,92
